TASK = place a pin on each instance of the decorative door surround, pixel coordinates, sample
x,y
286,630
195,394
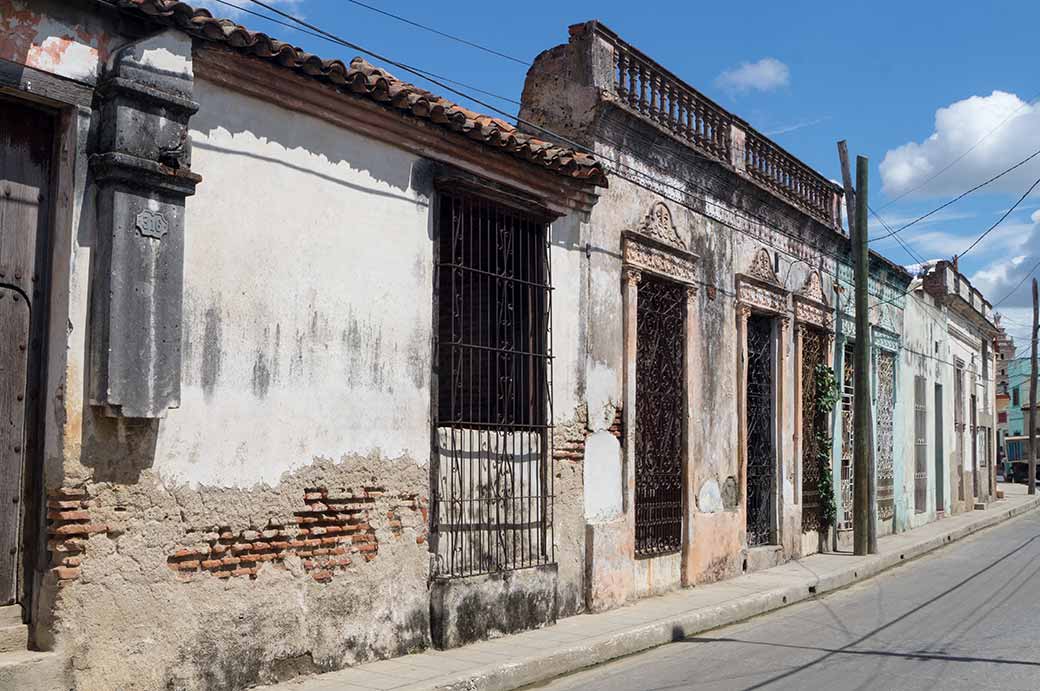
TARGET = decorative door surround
x,y
656,247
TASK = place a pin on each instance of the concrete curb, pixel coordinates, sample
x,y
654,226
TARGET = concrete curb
x,y
571,658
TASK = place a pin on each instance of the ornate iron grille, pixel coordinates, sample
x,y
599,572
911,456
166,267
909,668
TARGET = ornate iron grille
x,y
848,396
492,476
761,459
974,447
920,444
958,428
660,319
814,347
886,401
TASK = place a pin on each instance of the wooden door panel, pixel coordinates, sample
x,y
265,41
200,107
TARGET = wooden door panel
x,y
26,149
25,153
14,369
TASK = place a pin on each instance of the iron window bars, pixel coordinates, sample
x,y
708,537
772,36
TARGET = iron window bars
x,y
492,463
660,327
920,444
814,354
886,402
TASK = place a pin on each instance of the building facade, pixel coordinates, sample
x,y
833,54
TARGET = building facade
x,y
313,367
701,202
288,354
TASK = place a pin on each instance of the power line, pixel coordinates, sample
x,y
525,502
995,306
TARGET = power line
x,y
959,196
917,258
1001,219
1017,286
459,39
320,33
956,160
424,74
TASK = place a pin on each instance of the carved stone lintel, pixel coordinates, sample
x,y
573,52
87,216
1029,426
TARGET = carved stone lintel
x,y
655,258
763,297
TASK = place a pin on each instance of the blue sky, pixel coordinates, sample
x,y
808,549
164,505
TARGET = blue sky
x,y
913,86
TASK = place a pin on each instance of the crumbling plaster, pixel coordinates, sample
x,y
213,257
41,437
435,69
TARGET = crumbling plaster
x,y
50,36
306,343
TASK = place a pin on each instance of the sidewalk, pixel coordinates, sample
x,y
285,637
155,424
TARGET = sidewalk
x,y
590,639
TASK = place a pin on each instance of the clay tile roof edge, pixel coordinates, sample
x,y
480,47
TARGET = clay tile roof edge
x,y
375,83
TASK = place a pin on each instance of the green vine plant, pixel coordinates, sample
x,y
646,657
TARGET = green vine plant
x,y
826,396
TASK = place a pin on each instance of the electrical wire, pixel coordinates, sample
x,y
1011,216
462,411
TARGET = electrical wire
x,y
320,33
959,196
1015,289
335,39
956,160
424,74
978,240
458,39
1001,219
916,257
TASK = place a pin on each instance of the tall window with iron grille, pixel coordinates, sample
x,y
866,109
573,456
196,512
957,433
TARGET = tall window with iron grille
x,y
492,424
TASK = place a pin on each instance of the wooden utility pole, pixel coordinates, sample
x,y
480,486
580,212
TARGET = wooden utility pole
x,y
864,506
1032,393
861,411
850,194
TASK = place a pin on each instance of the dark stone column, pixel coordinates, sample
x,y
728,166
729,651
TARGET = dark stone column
x,y
143,173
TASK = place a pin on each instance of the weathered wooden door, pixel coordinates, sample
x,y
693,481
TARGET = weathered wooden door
x,y
26,136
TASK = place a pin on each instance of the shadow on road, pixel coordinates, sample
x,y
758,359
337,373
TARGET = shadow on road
x,y
846,649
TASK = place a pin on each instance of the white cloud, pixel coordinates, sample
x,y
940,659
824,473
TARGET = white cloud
x,y
999,278
765,75
1008,128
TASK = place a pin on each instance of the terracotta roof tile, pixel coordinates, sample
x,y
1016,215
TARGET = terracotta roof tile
x,y
367,80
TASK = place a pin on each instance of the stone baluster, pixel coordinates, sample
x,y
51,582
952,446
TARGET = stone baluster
x,y
644,75
621,64
633,79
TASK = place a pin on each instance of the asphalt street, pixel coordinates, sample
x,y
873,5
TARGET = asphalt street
x,y
965,617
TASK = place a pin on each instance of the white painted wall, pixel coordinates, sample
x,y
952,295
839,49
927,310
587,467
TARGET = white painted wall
x,y
307,315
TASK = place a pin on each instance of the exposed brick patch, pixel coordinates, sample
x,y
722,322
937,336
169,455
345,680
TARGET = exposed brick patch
x,y
569,439
330,534
68,527
617,427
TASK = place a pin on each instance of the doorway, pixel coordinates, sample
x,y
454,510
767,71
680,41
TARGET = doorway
x,y
761,451
659,448
26,162
940,495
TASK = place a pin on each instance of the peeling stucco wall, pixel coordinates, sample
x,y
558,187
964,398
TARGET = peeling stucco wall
x,y
276,522
52,37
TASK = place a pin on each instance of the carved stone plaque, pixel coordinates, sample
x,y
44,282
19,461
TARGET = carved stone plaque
x,y
151,224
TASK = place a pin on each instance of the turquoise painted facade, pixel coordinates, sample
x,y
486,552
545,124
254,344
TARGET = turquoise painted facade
x,y
1018,389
